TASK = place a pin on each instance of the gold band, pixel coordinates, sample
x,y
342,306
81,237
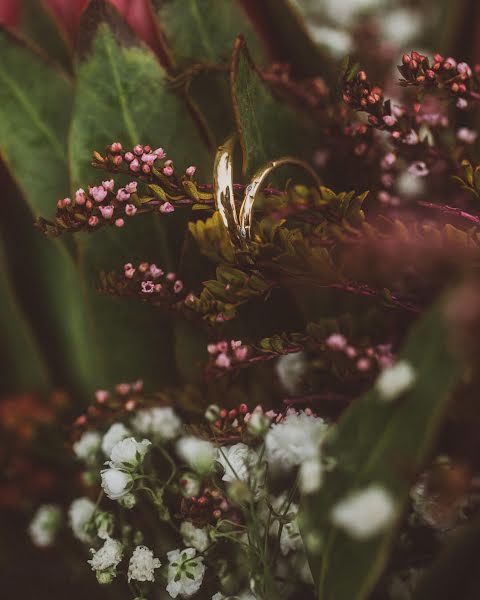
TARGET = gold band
x,y
239,226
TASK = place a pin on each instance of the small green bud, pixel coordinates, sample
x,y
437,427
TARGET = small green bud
x,y
239,492
128,501
105,577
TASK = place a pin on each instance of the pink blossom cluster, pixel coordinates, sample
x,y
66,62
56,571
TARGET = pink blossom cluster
x,y
365,358
147,276
227,352
142,159
101,203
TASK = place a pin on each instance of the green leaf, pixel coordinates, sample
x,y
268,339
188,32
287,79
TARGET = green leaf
x,y
267,128
122,95
41,26
22,365
204,30
35,105
381,443
283,27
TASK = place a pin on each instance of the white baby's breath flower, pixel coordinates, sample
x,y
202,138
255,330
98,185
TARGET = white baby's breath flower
x,y
194,536
185,572
395,380
128,452
115,434
142,565
290,369
116,483
160,422
311,475
79,514
198,454
107,557
236,461
88,445
45,524
366,513
294,440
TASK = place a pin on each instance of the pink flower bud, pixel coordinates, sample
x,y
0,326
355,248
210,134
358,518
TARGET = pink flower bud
x,y
351,352
147,287
122,389
223,361
158,287
190,172
117,160
107,211
146,169
119,222
389,120
241,353
212,349
131,187
171,276
137,386
108,185
336,341
89,204
98,193
155,272
222,346
160,153
129,157
129,273
130,405
93,221
101,396
363,364
177,286
116,147
168,163
166,207
388,160
143,267
80,197
59,203
149,159
462,104
130,210
138,150
122,195
168,171
235,344
135,165
127,266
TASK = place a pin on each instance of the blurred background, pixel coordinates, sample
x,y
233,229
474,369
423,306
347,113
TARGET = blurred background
x,y
46,360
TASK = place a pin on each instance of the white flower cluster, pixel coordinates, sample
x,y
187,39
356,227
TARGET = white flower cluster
x,y
185,572
45,525
142,565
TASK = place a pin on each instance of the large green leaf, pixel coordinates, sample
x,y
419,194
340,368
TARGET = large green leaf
x,y
204,30
40,25
35,105
384,443
267,128
122,95
22,366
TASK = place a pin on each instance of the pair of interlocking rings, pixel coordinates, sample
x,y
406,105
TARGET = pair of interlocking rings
x,y
239,225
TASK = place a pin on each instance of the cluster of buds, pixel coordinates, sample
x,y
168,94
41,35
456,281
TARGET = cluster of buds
x,y
109,405
359,94
235,424
209,507
140,160
227,353
145,281
443,73
101,205
150,279
365,359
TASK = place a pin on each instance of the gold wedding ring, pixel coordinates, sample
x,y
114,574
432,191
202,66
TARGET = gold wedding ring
x,y
239,226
